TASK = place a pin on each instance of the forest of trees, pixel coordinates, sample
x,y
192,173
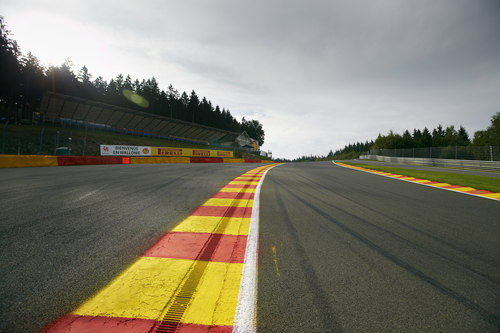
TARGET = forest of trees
x,y
441,137
23,81
438,137
348,152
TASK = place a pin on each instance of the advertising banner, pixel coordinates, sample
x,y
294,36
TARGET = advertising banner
x,y
115,150
171,151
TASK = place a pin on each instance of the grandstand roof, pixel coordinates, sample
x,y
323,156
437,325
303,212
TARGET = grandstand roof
x,y
59,106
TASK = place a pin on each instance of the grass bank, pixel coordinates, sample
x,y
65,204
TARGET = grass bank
x,y
477,182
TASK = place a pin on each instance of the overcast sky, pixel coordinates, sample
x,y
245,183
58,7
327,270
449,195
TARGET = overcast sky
x,y
317,74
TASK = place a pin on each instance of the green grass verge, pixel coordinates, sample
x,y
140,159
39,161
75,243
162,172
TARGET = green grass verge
x,y
477,182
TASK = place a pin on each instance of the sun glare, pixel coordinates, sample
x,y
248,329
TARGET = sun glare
x,y
135,98
57,38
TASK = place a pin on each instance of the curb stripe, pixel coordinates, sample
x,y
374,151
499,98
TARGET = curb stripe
x,y
190,280
211,224
434,184
86,324
223,211
237,189
236,182
189,245
240,186
228,202
234,195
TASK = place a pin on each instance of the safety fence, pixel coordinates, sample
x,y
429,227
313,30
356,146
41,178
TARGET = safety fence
x,y
485,153
16,139
83,139
438,162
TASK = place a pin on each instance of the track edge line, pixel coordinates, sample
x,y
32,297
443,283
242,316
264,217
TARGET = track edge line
x,y
245,319
409,181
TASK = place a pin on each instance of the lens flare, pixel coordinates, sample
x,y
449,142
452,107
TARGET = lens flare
x,y
135,98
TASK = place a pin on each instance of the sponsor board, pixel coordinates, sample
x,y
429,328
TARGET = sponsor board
x,y
224,153
120,150
116,150
167,151
172,151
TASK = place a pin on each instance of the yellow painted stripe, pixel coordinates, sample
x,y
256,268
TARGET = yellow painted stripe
x,y
210,224
241,190
246,179
243,183
250,176
491,195
229,202
422,181
215,301
440,184
407,178
143,290
463,189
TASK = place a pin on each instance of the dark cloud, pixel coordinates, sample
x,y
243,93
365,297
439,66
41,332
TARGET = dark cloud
x,y
319,74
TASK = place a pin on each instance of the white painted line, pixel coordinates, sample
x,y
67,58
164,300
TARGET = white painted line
x,y
245,319
409,181
89,194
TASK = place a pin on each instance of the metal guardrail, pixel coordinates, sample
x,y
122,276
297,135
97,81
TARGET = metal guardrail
x,y
485,153
439,162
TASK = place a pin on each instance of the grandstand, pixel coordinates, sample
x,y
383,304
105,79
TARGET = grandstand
x,y
62,108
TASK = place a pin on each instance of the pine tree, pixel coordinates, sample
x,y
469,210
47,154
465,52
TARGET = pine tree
x,y
84,76
193,105
426,138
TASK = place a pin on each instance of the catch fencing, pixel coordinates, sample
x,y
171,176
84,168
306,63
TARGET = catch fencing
x,y
18,139
437,162
484,153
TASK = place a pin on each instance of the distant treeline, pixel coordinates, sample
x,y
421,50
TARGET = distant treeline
x,y
438,137
424,138
23,81
348,152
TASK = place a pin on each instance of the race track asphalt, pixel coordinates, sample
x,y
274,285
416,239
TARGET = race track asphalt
x,y
339,249
65,232
343,250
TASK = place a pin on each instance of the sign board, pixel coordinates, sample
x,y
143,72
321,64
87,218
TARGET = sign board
x,y
116,150
171,151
